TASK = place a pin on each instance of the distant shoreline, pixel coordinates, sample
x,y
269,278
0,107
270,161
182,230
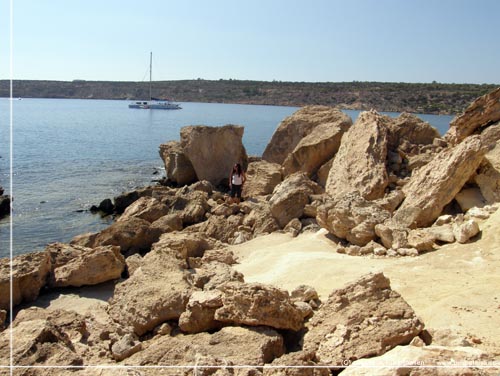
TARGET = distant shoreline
x,y
429,98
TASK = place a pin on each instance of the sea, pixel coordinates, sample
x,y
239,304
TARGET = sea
x,y
70,154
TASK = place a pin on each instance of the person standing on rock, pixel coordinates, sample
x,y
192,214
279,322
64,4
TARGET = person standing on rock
x,y
236,180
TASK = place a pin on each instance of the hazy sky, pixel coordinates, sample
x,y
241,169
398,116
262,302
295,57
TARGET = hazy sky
x,y
288,40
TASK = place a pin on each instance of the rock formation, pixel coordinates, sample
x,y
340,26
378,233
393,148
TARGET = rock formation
x,y
213,150
360,163
317,147
483,112
178,167
262,177
294,128
364,319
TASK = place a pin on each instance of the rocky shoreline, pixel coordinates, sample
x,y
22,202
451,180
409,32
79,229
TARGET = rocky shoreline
x,y
381,187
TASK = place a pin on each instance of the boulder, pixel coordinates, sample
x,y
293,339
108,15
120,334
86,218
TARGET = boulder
x,y
148,208
184,244
364,319
132,235
323,172
466,230
443,233
317,147
167,223
294,128
79,266
29,274
424,361
410,128
211,275
178,167
360,163
190,205
230,345
488,175
42,341
483,112
126,346
213,150
260,218
200,311
352,217
291,196
219,227
221,255
436,184
255,304
158,291
262,177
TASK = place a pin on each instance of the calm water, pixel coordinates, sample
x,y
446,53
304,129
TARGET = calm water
x,y
71,154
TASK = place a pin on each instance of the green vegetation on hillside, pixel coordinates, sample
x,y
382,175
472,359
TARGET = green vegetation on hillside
x,y
433,98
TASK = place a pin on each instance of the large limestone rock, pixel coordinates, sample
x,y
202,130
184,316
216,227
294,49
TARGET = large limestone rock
x,y
256,304
410,128
213,150
184,244
425,361
78,266
29,274
364,319
200,311
488,175
319,146
157,291
178,167
132,235
262,177
294,128
229,346
41,340
434,185
148,208
290,197
360,163
352,217
483,112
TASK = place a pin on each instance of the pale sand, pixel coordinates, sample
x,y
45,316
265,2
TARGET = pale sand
x,y
455,287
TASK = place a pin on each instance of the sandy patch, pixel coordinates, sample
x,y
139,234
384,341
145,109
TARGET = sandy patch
x,y
456,287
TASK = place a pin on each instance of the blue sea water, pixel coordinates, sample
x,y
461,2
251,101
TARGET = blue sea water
x,y
70,154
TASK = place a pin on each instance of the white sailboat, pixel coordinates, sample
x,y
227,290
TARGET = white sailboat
x,y
154,103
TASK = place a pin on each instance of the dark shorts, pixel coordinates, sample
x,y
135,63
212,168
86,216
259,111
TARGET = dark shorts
x,y
236,190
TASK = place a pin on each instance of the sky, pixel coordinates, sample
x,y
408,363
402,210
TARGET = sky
x,y
448,41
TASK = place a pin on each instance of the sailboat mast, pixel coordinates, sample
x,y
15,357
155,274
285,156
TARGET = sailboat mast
x,y
150,73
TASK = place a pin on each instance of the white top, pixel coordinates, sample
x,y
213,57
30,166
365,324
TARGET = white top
x,y
237,179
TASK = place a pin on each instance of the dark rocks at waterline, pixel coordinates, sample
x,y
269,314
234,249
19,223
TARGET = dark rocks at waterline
x,y
4,205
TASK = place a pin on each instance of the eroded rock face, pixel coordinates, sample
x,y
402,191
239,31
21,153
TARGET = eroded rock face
x,y
360,163
230,345
256,304
484,111
294,128
79,266
178,167
290,197
157,291
262,177
364,319
352,217
290,365
29,274
317,147
213,150
434,185
200,311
